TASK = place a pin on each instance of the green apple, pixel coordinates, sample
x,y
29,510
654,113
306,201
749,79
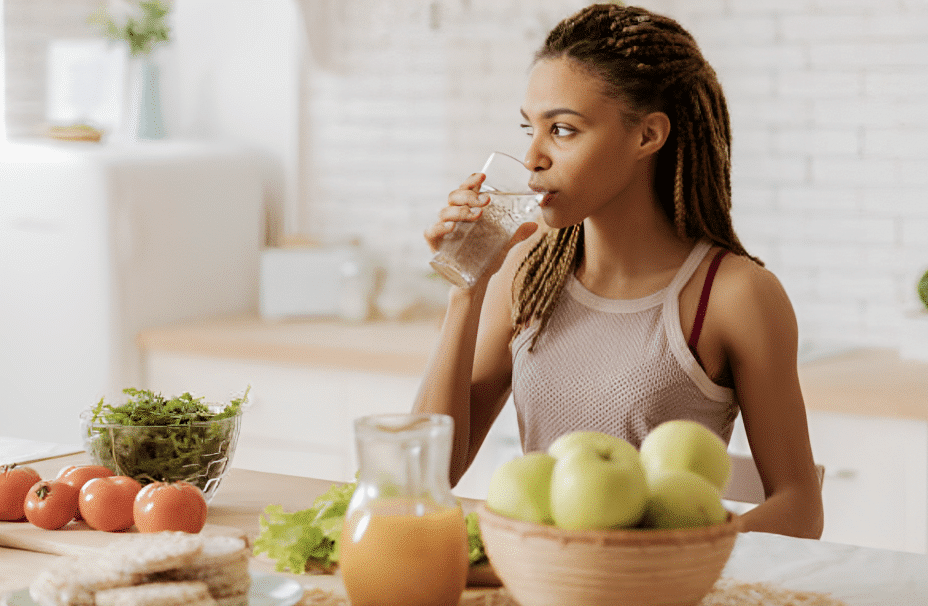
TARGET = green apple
x,y
521,488
684,445
587,439
682,499
597,482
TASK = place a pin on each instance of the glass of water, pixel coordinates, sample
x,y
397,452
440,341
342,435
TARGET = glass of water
x,y
465,252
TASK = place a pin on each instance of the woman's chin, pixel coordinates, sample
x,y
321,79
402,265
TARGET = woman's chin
x,y
555,220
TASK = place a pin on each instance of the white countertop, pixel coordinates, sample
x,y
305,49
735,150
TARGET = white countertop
x,y
859,576
20,451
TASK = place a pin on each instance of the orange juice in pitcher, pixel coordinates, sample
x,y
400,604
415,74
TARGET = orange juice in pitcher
x,y
404,540
390,555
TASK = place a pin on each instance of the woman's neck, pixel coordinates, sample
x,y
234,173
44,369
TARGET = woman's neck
x,y
631,249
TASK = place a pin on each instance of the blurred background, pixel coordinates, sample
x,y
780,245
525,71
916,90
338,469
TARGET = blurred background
x,y
330,132
371,111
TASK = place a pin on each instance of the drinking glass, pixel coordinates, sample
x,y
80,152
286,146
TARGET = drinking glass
x,y
465,252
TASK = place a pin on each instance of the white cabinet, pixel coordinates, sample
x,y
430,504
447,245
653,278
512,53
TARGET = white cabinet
x,y
299,419
876,479
100,241
300,415
875,491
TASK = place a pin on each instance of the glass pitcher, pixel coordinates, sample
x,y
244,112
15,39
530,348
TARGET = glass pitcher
x,y
404,540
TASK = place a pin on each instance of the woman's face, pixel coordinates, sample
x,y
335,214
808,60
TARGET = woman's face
x,y
582,152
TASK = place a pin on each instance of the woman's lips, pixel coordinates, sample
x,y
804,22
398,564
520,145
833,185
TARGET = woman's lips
x,y
547,197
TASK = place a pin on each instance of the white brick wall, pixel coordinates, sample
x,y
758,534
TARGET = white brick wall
x,y
829,111
829,105
830,118
417,97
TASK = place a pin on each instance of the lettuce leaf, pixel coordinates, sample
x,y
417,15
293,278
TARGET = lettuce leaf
x,y
476,554
309,539
306,539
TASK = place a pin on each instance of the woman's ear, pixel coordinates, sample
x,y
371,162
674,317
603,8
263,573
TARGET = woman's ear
x,y
654,128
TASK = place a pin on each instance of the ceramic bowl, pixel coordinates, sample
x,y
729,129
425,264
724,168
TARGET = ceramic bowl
x,y
548,566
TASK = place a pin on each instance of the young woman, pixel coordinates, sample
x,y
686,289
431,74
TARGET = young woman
x,y
602,319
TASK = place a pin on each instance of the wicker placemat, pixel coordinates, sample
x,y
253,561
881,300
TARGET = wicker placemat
x,y
727,592
321,597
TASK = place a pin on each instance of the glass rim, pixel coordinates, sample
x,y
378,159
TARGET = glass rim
x,y
403,423
522,189
87,417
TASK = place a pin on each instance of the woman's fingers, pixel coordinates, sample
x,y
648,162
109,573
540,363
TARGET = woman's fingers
x,y
465,204
435,233
474,181
468,197
464,212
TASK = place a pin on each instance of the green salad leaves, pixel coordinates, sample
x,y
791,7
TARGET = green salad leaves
x,y
153,438
308,540
146,408
475,551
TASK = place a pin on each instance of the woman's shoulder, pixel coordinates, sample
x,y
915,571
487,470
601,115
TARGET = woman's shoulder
x,y
750,294
743,276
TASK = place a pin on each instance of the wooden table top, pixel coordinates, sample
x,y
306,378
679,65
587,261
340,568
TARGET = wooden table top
x,y
238,503
858,576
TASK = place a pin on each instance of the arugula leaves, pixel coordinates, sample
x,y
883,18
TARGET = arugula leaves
x,y
153,438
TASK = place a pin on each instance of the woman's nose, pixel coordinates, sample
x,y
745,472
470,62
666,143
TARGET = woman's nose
x,y
535,161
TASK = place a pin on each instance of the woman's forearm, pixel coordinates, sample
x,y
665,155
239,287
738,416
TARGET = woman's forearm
x,y
791,513
446,384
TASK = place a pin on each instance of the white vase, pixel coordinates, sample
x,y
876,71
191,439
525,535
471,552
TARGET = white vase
x,y
142,117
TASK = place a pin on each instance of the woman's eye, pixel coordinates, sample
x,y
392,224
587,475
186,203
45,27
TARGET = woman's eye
x,y
561,130
527,129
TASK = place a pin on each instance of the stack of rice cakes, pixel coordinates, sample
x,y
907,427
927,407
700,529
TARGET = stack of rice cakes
x,y
161,569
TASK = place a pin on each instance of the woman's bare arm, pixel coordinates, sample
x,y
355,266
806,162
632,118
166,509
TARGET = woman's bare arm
x,y
469,374
760,337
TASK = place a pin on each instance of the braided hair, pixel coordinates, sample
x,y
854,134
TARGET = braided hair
x,y
652,64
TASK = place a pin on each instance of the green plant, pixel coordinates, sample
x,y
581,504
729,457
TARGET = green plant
x,y
923,289
142,32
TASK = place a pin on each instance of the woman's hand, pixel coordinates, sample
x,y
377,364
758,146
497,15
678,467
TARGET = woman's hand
x,y
465,204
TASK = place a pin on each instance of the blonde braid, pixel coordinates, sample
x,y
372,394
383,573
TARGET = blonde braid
x,y
543,274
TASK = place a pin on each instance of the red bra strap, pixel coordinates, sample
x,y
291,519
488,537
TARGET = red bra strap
x,y
704,302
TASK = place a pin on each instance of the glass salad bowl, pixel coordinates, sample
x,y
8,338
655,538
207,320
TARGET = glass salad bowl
x,y
193,446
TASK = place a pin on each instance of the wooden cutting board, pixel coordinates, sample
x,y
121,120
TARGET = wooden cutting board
x,y
77,538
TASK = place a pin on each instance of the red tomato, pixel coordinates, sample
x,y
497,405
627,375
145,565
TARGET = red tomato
x,y
170,506
15,483
106,503
51,504
77,476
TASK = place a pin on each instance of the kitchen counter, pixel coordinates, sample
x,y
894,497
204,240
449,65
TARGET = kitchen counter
x,y
381,346
875,382
237,504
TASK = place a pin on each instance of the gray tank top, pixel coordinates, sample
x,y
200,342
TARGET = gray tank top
x,y
617,366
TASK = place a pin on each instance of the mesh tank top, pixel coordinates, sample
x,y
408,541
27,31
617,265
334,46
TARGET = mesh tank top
x,y
617,366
